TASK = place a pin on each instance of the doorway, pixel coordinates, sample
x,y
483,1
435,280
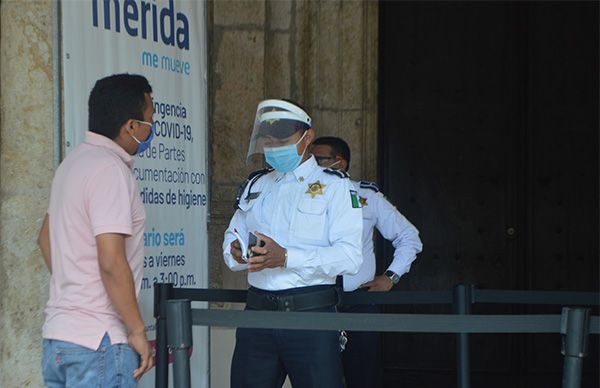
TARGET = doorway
x,y
488,143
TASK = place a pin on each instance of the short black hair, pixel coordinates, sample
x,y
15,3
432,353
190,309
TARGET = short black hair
x,y
114,100
338,146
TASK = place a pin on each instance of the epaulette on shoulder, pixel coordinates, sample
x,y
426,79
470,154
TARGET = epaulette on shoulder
x,y
258,173
252,178
338,173
369,185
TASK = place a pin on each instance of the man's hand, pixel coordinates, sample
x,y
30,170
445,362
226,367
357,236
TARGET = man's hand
x,y
140,344
380,283
236,252
271,255
118,283
44,242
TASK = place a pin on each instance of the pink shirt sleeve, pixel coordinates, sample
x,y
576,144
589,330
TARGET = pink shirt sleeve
x,y
109,198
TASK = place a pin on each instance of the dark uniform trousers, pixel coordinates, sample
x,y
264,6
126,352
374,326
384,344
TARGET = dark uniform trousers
x,y
263,357
362,357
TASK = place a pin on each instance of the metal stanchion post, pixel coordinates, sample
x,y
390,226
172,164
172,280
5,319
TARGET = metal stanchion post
x,y
162,293
462,305
574,328
179,334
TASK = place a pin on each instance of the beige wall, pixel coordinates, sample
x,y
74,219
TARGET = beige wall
x,y
320,53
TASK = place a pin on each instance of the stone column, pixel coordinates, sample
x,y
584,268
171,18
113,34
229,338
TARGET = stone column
x,y
322,54
236,84
26,170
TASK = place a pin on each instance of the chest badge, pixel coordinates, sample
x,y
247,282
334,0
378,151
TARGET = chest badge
x,y
363,201
315,189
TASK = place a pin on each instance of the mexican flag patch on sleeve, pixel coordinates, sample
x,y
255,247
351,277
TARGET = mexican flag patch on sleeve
x,y
355,201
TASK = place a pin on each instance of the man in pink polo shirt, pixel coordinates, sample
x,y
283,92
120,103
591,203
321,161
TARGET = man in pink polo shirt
x,y
92,242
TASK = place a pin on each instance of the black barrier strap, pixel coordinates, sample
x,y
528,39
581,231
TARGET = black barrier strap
x,y
397,297
210,295
417,323
392,297
562,298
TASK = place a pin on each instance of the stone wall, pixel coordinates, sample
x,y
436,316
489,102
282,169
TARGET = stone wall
x,y
26,168
322,54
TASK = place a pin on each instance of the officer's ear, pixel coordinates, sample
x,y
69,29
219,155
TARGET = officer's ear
x,y
343,164
310,136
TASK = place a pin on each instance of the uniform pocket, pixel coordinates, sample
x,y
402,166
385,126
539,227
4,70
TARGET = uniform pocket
x,y
310,218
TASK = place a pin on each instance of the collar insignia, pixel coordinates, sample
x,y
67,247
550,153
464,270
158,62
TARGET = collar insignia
x,y
363,201
271,122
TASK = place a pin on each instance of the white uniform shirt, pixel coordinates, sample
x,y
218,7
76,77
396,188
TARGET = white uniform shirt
x,y
393,226
320,228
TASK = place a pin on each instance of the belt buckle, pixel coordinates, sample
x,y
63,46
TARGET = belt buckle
x,y
285,303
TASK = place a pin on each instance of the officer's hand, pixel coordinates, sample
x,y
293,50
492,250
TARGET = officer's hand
x,y
270,255
380,283
140,344
236,252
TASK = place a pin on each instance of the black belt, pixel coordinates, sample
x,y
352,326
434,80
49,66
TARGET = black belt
x,y
308,299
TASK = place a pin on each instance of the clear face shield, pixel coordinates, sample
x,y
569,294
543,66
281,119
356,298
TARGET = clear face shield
x,y
275,124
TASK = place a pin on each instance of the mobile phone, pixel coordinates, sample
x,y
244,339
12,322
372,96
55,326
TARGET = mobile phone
x,y
253,240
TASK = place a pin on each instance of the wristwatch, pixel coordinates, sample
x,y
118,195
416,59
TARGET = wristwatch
x,y
393,276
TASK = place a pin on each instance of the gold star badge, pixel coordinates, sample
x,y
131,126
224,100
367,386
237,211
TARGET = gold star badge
x,y
363,201
273,120
315,189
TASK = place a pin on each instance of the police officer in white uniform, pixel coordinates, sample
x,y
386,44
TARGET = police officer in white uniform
x,y
362,357
310,223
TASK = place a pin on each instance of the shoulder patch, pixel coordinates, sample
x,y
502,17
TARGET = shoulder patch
x,y
338,173
252,178
356,203
369,185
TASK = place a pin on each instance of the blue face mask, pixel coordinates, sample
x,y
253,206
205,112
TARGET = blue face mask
x,y
143,145
284,158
